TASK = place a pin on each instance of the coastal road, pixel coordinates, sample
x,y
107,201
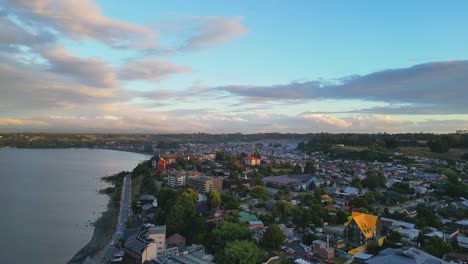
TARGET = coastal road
x,y
109,250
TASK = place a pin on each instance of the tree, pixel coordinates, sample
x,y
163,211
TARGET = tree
x,y
309,167
455,245
259,191
166,198
283,209
438,247
341,217
181,213
220,156
374,180
229,202
426,217
391,142
273,237
465,156
214,199
228,232
190,193
309,238
240,252
356,183
439,145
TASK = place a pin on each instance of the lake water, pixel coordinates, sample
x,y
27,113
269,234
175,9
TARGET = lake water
x,y
48,197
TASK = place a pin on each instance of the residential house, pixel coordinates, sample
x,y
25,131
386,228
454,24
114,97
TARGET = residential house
x,y
252,161
404,255
361,228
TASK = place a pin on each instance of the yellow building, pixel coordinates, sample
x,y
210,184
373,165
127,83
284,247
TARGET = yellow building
x,y
360,228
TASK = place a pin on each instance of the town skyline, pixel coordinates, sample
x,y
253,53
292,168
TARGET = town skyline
x,y
270,66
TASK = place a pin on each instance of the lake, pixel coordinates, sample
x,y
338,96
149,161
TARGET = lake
x,y
48,198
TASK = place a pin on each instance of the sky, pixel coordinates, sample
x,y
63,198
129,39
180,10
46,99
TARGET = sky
x,y
105,66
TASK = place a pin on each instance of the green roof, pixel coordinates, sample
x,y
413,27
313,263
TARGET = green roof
x,y
245,217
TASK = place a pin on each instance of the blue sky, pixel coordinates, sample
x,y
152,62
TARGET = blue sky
x,y
233,66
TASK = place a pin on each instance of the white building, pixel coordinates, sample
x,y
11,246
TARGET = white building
x,y
178,179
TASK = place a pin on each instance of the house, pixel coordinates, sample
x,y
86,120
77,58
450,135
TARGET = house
x,y
252,161
147,199
256,225
176,240
296,182
322,249
326,199
462,241
162,165
462,226
209,156
404,255
194,254
408,234
361,228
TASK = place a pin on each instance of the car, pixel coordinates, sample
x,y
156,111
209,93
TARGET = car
x,y
291,251
307,256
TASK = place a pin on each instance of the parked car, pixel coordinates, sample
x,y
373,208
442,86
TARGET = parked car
x,y
307,256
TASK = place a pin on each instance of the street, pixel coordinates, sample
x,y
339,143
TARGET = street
x,y
109,250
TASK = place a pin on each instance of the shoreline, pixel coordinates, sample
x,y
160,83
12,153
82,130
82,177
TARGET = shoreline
x,y
102,148
103,230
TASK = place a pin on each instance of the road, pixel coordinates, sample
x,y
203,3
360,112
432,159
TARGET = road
x,y
109,250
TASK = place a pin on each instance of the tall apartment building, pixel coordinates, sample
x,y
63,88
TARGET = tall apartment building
x,y
179,179
205,184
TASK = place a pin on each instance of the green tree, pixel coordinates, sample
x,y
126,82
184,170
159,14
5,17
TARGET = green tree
x,y
241,252
356,183
283,209
426,217
341,217
309,238
438,247
229,202
374,179
214,199
181,213
309,167
190,193
439,145
259,191
391,142
227,232
273,237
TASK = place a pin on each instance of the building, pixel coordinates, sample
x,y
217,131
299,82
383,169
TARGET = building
x,y
178,179
252,161
322,249
194,254
176,240
209,156
295,182
146,243
361,228
256,225
205,184
404,255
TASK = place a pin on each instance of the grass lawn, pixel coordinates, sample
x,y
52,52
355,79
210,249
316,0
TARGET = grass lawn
x,y
453,154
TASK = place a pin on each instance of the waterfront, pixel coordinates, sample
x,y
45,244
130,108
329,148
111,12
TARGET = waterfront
x,y
49,198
